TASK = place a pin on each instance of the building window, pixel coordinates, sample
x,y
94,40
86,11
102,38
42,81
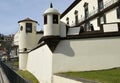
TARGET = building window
x,y
21,28
86,9
100,5
67,19
81,29
101,20
45,19
28,27
55,19
87,26
76,17
118,12
92,27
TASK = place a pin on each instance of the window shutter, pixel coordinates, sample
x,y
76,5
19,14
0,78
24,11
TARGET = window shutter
x,y
45,19
118,12
104,18
98,21
28,27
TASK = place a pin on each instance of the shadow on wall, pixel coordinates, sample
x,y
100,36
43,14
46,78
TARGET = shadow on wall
x,y
64,47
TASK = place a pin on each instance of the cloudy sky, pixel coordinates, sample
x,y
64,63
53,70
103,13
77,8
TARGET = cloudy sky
x,y
11,11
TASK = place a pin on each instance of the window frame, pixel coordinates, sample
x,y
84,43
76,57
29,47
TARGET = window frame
x,y
67,20
86,10
45,19
100,5
118,12
76,17
55,19
100,21
21,28
28,27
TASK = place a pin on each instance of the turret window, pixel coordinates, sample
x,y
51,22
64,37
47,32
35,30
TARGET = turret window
x,y
28,27
45,19
21,28
55,19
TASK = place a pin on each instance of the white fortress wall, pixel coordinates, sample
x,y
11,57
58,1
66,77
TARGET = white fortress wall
x,y
87,54
40,64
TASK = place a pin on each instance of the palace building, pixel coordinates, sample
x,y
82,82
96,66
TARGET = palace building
x,y
84,37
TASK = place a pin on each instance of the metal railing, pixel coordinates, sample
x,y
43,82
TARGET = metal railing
x,y
12,75
95,11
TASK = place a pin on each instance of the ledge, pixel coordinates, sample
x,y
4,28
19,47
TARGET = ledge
x,y
95,34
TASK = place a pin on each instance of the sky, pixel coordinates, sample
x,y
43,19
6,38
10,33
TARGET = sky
x,y
12,11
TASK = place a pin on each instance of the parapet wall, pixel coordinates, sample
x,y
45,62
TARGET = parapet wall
x,y
40,64
87,54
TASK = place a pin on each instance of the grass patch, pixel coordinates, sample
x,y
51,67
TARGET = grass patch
x,y
28,75
16,63
103,76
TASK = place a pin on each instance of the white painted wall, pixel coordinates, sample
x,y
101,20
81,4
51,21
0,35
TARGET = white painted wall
x,y
112,16
87,54
39,36
62,29
59,79
16,38
95,24
110,28
74,31
23,57
40,64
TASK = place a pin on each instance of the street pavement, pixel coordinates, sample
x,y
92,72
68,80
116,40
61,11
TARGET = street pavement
x,y
3,77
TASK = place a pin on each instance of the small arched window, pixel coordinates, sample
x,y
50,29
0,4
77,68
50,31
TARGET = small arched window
x,y
21,28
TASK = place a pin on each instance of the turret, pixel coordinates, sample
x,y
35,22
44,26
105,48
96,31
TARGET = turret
x,y
51,22
27,40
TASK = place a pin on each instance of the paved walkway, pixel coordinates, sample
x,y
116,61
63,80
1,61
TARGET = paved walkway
x,y
3,78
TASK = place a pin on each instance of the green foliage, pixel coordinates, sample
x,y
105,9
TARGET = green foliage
x,y
28,75
16,63
104,76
